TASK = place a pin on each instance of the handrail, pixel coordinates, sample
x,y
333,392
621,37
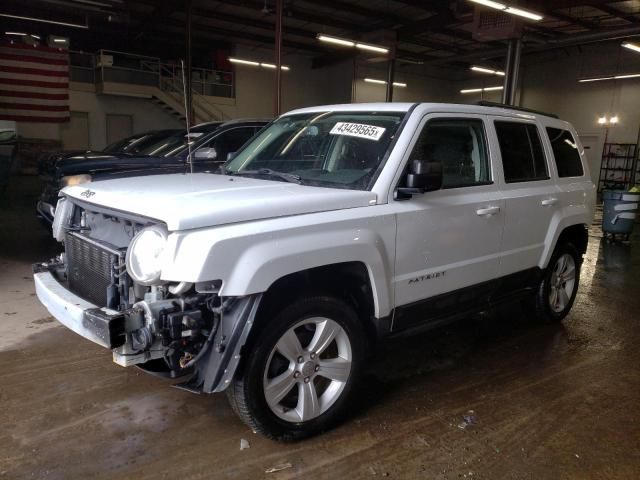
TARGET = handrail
x,y
128,54
167,77
175,83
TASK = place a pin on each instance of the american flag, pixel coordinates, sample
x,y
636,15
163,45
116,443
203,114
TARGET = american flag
x,y
34,83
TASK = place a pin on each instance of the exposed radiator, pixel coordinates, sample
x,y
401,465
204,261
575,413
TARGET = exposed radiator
x,y
91,267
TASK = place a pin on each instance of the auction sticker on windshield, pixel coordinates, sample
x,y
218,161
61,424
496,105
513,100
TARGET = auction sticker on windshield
x,y
359,130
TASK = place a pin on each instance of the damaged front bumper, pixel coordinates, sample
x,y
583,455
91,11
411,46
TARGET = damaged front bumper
x,y
100,325
214,367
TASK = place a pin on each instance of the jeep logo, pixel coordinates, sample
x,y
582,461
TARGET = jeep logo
x,y
87,193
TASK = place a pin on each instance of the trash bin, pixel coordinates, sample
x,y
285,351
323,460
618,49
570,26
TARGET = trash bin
x,y
619,212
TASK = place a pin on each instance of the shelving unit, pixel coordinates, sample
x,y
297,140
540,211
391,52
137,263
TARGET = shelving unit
x,y
617,170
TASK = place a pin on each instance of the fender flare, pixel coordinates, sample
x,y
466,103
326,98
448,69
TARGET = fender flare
x,y
270,261
569,216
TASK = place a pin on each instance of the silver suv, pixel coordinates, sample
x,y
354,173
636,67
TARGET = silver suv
x,y
334,227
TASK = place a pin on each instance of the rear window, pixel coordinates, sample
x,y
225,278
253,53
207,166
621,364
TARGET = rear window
x,y
522,155
565,152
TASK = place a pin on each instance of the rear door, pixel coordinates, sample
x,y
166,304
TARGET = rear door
x,y
531,195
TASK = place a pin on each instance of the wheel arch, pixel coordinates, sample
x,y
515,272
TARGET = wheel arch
x,y
569,223
348,281
574,233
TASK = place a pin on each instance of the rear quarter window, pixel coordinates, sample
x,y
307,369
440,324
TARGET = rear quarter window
x,y
565,152
522,155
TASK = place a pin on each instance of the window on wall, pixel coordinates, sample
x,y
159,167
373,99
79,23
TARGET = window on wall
x,y
522,156
460,146
565,152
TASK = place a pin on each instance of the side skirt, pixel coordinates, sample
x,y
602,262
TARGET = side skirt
x,y
440,309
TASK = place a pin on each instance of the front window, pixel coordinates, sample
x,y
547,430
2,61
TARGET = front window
x,y
328,149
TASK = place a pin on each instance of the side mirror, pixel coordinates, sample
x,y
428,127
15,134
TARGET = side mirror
x,y
205,154
423,177
230,155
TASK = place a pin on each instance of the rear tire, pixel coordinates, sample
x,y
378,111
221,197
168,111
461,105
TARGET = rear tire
x,y
302,370
559,285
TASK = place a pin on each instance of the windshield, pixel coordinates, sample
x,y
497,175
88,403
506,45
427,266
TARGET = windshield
x,y
330,149
176,144
139,143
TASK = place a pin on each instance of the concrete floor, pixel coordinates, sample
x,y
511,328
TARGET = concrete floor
x,y
550,401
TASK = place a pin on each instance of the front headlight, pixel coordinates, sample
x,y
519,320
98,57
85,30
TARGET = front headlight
x,y
71,180
145,255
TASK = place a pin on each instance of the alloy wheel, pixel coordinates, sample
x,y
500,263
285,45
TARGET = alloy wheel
x,y
562,282
307,369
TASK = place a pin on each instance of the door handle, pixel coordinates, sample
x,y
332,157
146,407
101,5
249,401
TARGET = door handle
x,y
549,202
484,212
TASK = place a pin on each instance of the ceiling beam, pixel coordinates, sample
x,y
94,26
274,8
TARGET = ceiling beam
x,y
293,12
203,30
354,30
614,12
602,35
586,24
384,19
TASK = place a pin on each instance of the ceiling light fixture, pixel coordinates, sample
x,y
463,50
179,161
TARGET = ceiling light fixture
x,y
507,9
44,20
383,82
351,43
614,77
602,120
371,48
632,46
256,64
486,89
94,3
490,4
20,34
244,62
613,120
272,66
337,41
524,13
487,70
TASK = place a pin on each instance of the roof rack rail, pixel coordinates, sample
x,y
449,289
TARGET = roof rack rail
x,y
485,103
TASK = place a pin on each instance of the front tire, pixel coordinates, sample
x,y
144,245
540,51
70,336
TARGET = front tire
x,y
303,368
559,286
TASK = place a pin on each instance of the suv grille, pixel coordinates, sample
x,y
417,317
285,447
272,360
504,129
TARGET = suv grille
x,y
90,268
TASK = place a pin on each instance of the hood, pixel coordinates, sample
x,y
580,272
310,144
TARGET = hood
x,y
100,162
187,201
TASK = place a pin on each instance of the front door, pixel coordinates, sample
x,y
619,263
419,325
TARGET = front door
x,y
448,241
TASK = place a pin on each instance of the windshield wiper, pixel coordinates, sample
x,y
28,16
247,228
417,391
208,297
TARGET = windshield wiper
x,y
287,177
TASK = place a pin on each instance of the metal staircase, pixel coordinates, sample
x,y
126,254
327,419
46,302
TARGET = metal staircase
x,y
120,73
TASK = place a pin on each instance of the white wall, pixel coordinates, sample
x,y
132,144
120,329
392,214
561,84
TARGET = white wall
x,y
422,86
146,116
302,86
549,82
